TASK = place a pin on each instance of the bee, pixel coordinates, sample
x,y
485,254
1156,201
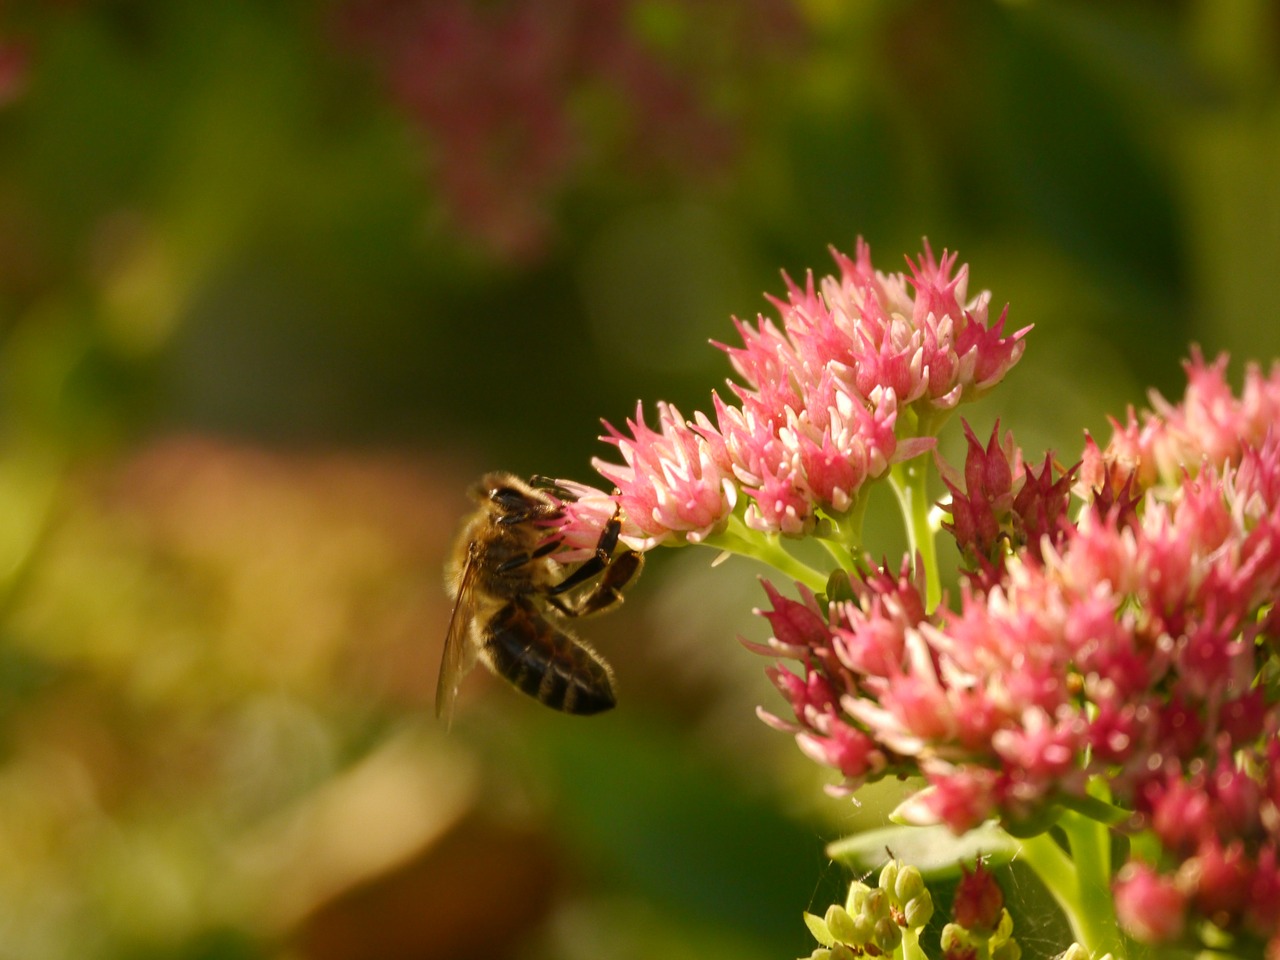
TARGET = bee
x,y
511,598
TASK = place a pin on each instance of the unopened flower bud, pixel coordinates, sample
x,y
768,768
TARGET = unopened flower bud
x,y
919,909
1009,950
843,952
909,884
956,941
979,900
1004,929
857,897
889,876
887,935
865,929
840,924
876,905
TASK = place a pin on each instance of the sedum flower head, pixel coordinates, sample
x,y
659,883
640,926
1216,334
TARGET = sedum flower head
x,y
854,376
1210,426
1126,644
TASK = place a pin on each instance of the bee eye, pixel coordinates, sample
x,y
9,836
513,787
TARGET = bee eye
x,y
509,498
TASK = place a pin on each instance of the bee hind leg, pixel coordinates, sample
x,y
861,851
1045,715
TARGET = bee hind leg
x,y
607,592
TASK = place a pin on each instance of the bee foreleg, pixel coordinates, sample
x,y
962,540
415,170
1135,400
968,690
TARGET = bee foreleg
x,y
605,546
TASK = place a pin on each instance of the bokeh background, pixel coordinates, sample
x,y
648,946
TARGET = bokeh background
x,y
278,279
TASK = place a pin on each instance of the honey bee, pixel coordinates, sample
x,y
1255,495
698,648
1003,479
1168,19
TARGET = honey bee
x,y
510,599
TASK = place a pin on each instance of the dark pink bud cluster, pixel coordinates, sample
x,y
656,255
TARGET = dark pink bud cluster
x,y
1002,506
979,900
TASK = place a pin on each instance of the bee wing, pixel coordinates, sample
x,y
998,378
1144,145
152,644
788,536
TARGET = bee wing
x,y
458,655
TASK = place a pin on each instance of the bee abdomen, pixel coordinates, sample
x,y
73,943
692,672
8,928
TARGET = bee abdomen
x,y
545,662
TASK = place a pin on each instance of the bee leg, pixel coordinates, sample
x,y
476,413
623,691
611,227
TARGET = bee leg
x,y
599,561
539,482
608,591
520,559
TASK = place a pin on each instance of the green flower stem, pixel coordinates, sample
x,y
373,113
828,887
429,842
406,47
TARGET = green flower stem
x,y
841,554
910,483
1091,851
1096,808
1081,882
841,534
911,949
739,539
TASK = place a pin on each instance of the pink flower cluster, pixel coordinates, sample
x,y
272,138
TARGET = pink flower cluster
x,y
1210,426
1217,828
1134,644
860,371
491,86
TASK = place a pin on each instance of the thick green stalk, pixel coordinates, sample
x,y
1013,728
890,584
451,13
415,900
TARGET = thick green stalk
x,y
911,949
1081,882
841,535
910,483
1091,852
739,539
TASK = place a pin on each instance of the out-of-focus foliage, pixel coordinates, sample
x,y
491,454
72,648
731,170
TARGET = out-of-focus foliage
x,y
277,278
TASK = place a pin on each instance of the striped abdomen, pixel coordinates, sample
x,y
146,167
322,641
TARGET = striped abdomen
x,y
545,662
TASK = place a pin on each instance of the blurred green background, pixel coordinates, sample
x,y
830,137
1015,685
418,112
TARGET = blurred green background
x,y
278,279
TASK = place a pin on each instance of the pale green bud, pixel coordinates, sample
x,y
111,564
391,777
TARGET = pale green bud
x,y
876,905
956,938
840,924
889,876
1009,950
857,896
865,927
843,952
1077,952
887,935
1004,929
919,909
909,884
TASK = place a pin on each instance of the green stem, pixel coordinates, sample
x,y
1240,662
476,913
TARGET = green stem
x,y
1095,808
911,949
838,552
1091,851
841,534
1081,882
910,483
1055,870
739,539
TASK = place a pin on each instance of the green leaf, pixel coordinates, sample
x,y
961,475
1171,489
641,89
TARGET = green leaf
x,y
818,927
935,850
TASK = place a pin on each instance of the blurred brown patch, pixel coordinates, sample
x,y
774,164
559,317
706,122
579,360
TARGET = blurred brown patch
x,y
477,893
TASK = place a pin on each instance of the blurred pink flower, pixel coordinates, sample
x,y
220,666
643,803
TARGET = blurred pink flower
x,y
1209,426
1151,908
498,90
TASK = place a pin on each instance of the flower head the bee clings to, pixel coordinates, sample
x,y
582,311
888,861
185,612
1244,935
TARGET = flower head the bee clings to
x,y
856,378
